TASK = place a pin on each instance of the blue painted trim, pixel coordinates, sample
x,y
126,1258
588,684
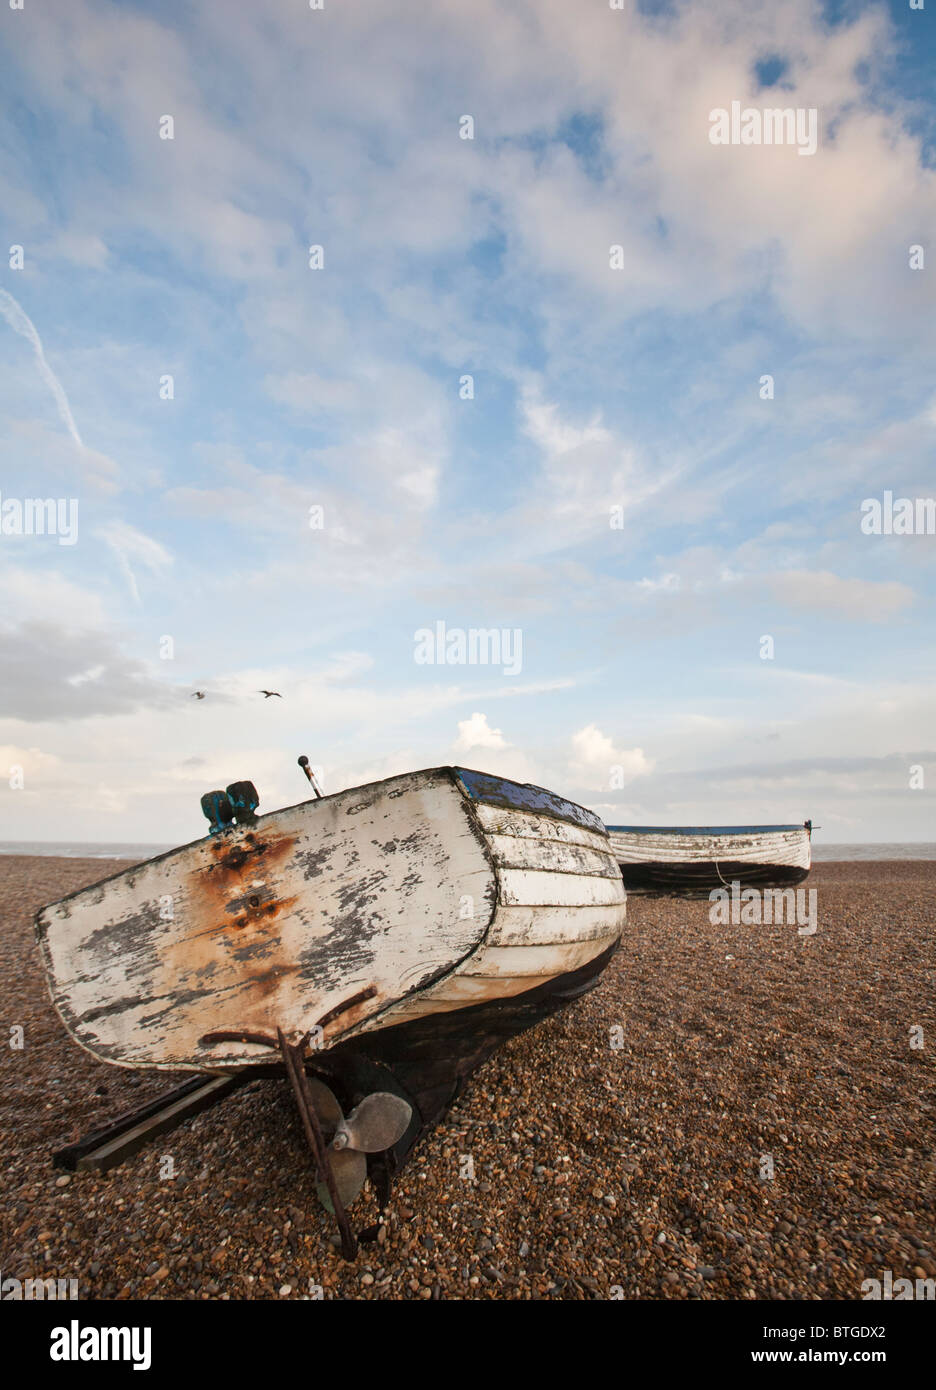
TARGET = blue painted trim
x,y
498,791
701,829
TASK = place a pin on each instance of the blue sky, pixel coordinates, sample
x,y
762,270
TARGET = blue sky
x,y
642,691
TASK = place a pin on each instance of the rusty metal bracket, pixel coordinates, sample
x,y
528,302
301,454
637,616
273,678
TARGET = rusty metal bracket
x,y
293,1054
361,997
230,1035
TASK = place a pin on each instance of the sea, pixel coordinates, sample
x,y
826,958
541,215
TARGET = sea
x,y
913,849
75,849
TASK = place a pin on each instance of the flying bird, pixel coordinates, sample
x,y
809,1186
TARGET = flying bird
x,y
268,693
198,694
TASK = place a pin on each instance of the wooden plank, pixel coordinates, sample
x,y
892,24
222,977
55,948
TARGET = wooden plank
x,y
170,1115
515,963
68,1156
545,926
516,852
498,821
530,887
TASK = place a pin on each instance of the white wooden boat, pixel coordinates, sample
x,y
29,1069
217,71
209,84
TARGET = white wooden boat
x,y
409,924
690,861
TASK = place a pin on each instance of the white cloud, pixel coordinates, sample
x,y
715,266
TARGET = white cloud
x,y
477,733
668,583
82,249
32,594
21,323
871,599
585,471
594,752
128,544
35,762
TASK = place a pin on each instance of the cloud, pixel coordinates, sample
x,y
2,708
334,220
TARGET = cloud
x,y
477,733
128,544
585,471
542,422
594,753
667,583
32,594
35,763
703,223
82,249
50,672
317,394
870,599
21,323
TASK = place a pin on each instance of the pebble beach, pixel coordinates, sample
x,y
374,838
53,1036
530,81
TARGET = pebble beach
x,y
735,1112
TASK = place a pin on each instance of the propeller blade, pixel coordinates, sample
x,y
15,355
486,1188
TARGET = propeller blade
x,y
376,1124
326,1105
349,1169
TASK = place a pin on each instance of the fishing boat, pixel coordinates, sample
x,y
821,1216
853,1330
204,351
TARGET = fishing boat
x,y
376,945
690,861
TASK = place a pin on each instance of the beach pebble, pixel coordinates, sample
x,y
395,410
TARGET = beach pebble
x,y
643,1167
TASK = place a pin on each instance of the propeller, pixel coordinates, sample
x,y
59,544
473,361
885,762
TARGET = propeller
x,y
376,1124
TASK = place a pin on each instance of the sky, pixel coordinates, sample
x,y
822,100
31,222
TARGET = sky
x,y
566,373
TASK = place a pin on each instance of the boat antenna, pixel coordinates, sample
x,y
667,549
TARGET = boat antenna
x,y
304,764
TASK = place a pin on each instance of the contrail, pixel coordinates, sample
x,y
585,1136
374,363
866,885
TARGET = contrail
x,y
21,323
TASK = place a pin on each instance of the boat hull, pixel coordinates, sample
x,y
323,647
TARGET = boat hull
x,y
692,862
406,900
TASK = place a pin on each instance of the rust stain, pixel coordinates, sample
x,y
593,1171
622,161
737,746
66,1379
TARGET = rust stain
x,y
260,912
356,1010
233,915
361,997
237,887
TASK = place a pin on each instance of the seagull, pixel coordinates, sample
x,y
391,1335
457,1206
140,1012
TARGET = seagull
x,y
268,693
198,694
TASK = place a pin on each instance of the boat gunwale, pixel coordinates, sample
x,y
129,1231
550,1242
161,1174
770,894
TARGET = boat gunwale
x,y
704,829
